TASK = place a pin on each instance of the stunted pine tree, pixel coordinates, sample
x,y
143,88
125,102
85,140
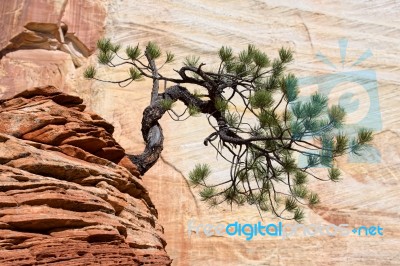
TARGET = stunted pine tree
x,y
259,125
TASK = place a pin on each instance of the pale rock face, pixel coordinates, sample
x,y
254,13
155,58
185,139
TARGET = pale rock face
x,y
368,193
20,69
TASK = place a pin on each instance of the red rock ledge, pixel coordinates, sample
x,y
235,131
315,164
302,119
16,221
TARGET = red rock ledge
x,y
68,194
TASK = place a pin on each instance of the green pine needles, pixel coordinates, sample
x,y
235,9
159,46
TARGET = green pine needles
x,y
259,125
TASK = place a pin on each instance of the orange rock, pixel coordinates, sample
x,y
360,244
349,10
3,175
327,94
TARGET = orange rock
x,y
68,193
125,162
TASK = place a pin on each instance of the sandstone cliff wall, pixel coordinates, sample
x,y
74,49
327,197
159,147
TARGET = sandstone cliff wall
x,y
368,193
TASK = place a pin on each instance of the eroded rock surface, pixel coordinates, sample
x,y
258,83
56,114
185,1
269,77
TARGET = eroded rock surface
x,y
67,192
369,193
48,36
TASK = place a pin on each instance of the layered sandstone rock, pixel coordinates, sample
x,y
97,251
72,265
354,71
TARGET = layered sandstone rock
x,y
368,193
68,194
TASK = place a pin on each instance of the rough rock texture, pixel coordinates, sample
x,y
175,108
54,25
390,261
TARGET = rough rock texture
x,y
369,193
68,194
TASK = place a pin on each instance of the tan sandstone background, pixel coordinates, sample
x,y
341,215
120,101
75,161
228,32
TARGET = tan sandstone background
x,y
369,194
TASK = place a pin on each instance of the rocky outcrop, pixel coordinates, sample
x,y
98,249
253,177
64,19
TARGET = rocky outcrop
x,y
46,42
68,194
48,36
85,18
